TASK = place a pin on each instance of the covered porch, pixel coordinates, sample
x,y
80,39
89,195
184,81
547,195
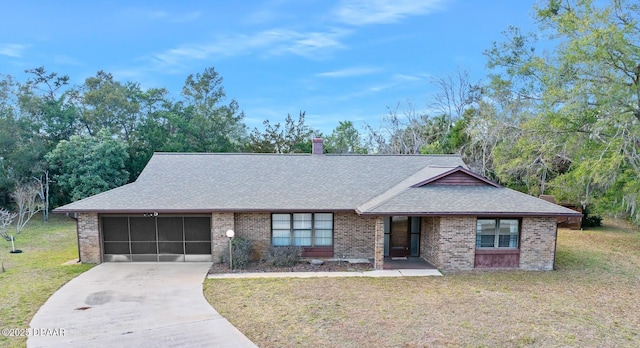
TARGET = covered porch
x,y
410,262
406,242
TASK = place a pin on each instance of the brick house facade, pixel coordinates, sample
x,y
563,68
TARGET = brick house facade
x,y
447,242
332,206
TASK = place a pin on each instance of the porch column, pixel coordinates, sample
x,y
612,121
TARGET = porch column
x,y
89,238
378,240
220,223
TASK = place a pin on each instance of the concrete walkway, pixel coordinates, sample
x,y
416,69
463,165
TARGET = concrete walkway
x,y
377,273
134,305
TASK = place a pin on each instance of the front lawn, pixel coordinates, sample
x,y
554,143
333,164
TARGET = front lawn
x,y
592,299
32,277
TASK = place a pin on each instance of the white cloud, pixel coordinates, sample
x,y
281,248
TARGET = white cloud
x,y
407,78
362,12
269,42
348,72
12,50
313,43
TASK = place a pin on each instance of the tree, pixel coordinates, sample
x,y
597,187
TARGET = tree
x,y
213,126
44,185
6,219
399,134
87,165
28,203
585,95
294,137
453,96
107,104
345,138
21,148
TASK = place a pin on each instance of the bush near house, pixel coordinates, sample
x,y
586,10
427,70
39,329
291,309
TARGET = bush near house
x,y
284,256
242,249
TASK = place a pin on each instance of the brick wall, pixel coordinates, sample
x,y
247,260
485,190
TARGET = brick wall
x,y
429,235
537,243
257,228
456,243
89,238
353,235
378,258
220,224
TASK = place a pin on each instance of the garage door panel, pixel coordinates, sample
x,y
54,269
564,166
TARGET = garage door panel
x,y
117,258
115,229
171,247
170,229
197,229
172,258
144,248
116,247
142,229
144,258
197,248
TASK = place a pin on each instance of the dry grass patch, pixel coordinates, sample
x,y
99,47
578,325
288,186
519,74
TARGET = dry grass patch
x,y
591,300
33,276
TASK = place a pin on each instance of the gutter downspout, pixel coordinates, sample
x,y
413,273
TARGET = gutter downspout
x,y
74,216
555,248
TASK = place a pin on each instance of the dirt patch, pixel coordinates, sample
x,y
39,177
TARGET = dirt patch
x,y
303,266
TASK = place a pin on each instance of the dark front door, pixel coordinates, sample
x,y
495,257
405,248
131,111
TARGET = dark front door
x,y
400,238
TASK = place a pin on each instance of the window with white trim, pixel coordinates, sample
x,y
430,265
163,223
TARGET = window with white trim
x,y
497,233
302,229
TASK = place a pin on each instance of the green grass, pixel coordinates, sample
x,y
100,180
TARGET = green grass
x,y
31,277
591,300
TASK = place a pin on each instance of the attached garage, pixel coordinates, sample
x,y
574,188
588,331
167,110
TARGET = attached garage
x,y
156,238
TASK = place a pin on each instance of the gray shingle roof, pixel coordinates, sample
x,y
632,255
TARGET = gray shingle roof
x,y
467,200
206,182
372,184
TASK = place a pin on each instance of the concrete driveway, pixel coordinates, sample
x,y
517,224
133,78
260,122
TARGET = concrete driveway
x,y
134,305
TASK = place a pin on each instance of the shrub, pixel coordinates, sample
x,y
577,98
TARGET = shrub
x,y
591,221
283,256
241,253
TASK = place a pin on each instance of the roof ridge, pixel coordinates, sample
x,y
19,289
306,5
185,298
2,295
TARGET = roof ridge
x,y
162,153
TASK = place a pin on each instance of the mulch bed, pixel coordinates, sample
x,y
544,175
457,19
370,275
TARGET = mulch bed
x,y
303,266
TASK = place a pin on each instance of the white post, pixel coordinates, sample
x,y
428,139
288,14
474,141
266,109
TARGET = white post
x,y
13,246
230,234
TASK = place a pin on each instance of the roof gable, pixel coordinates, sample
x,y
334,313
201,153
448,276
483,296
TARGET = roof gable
x,y
458,176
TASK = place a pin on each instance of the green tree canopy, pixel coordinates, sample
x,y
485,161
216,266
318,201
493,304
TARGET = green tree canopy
x,y
293,137
87,165
345,138
584,90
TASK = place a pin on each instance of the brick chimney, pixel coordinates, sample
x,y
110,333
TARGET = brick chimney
x,y
316,148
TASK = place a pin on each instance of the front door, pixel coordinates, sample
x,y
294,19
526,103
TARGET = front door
x,y
400,237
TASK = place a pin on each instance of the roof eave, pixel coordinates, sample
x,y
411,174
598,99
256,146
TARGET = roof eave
x,y
192,211
480,214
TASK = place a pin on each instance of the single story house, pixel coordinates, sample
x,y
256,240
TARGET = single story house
x,y
332,206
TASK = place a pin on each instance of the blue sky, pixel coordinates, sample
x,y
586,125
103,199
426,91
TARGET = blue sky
x,y
336,60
